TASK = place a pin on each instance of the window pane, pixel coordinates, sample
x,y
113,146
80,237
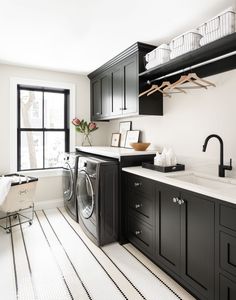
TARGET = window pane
x,y
31,109
53,110
54,148
31,150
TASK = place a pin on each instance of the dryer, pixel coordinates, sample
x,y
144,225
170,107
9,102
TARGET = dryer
x,y
70,169
97,196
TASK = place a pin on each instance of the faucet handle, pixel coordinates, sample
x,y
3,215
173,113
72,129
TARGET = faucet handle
x,y
230,165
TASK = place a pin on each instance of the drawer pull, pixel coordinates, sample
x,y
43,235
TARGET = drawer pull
x,y
137,205
138,232
137,184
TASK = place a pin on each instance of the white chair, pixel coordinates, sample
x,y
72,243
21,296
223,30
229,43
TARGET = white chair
x,y
19,202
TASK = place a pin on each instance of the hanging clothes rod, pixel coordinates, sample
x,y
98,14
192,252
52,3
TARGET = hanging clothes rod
x,y
192,67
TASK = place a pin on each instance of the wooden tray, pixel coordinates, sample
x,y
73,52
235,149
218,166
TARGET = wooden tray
x,y
151,166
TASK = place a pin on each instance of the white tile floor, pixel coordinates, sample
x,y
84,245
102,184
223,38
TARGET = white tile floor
x,y
54,260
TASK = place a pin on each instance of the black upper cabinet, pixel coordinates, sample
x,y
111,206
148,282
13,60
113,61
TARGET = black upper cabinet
x,y
130,105
116,85
117,92
100,95
97,100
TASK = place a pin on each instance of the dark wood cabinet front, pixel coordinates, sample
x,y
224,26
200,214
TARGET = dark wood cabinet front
x,y
117,93
176,229
96,99
115,87
168,228
130,67
100,95
227,289
198,231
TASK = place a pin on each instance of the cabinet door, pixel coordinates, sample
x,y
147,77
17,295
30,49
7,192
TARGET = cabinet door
x,y
197,257
227,289
96,105
130,86
168,228
106,95
117,90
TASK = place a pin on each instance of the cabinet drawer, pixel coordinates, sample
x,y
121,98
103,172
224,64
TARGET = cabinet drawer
x,y
227,289
142,206
140,234
228,217
228,253
140,185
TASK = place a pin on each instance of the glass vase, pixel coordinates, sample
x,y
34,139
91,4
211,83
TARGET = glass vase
x,y
86,140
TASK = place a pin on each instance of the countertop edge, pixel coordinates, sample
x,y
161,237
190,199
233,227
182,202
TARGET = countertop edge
x,y
162,177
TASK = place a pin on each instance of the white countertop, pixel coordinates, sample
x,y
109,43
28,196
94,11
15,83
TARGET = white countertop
x,y
114,152
225,194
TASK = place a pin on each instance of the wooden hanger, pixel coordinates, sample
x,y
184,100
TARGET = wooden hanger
x,y
158,88
193,78
152,88
147,91
164,87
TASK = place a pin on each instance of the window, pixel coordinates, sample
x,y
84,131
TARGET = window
x,y
43,129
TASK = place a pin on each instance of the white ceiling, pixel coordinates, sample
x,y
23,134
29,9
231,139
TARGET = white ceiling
x,y
80,35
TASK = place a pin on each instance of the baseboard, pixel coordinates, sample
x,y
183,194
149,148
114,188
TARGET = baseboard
x,y
38,205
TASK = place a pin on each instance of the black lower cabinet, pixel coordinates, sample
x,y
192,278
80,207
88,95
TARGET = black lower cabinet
x,y
179,235
168,238
140,234
227,289
197,243
185,238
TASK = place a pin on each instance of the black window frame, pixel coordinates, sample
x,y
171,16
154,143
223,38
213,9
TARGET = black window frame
x,y
65,129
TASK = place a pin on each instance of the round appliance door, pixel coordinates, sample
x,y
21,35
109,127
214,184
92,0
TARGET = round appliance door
x,y
85,194
67,182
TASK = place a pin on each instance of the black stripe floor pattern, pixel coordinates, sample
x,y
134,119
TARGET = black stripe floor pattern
x,y
165,291
54,260
114,274
67,266
94,274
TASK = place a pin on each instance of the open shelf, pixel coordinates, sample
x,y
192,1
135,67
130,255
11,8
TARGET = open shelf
x,y
207,52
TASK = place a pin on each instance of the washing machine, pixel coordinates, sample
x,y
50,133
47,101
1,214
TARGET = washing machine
x,y
97,196
70,171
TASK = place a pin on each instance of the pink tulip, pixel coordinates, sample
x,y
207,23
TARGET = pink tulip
x,y
92,126
75,121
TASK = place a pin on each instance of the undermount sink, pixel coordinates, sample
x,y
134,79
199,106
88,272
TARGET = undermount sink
x,y
226,186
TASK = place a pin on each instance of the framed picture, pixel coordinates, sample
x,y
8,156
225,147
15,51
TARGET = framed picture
x,y
124,127
132,136
115,140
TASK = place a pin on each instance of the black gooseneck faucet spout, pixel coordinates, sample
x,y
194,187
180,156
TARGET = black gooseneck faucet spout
x,y
222,167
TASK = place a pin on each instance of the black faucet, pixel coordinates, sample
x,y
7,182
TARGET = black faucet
x,y
222,167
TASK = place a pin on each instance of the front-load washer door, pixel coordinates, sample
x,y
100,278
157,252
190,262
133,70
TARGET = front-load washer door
x,y
68,184
85,194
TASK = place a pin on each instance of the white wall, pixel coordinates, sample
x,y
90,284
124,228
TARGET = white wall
x,y
49,188
187,121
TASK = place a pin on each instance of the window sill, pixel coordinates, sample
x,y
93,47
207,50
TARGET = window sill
x,y
43,173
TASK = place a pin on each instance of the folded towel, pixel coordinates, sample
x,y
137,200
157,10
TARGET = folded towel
x,y
5,185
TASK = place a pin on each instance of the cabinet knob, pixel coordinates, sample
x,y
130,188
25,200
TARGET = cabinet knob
x,y
175,199
137,184
138,232
137,205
